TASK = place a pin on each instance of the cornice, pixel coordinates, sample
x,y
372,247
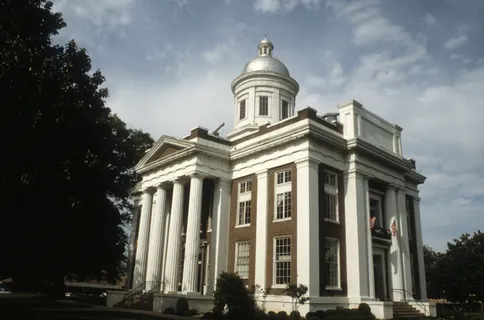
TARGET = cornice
x,y
260,74
414,176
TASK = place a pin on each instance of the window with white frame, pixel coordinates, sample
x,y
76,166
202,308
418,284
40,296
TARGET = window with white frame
x,y
243,213
242,250
331,196
282,260
283,195
284,109
263,106
332,263
376,209
242,109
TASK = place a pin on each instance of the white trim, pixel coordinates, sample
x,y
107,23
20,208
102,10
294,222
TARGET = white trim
x,y
274,262
338,259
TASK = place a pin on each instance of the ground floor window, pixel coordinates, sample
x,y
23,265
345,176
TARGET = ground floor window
x,y
282,260
332,263
242,250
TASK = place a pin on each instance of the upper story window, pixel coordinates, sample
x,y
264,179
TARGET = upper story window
x,y
284,109
376,209
245,203
242,109
331,196
263,106
283,195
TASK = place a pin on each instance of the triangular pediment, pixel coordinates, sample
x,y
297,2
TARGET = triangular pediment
x,y
163,148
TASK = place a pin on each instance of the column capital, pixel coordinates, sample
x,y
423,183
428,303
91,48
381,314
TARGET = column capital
x,y
306,162
150,190
179,180
163,185
392,186
197,174
224,182
356,174
262,173
416,200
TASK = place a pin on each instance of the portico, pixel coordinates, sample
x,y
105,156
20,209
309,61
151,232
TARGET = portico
x,y
191,216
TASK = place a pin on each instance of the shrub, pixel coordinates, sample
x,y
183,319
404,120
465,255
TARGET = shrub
x,y
207,316
295,315
182,306
313,318
231,292
282,315
169,311
331,313
310,314
320,314
271,315
364,309
193,312
297,294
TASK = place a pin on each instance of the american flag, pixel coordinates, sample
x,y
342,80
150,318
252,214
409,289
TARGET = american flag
x,y
394,228
372,222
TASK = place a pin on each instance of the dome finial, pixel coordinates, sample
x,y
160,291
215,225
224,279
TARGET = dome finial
x,y
265,47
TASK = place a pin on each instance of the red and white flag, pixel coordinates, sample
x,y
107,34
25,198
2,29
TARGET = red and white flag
x,y
372,222
394,228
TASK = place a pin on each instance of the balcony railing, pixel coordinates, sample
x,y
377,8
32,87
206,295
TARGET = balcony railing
x,y
381,233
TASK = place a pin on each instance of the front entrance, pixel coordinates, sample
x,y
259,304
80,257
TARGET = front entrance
x,y
379,268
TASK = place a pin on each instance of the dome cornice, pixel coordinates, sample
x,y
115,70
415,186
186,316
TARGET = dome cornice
x,y
269,74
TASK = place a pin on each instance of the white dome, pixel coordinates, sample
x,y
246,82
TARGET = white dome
x,y
266,63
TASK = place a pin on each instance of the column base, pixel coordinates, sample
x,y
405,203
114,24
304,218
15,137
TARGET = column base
x,y
193,293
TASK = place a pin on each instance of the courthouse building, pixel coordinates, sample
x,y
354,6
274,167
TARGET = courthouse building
x,y
288,196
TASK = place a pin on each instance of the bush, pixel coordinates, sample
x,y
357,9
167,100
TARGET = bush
x,y
193,312
295,315
282,315
320,314
313,318
271,315
169,311
364,309
231,291
207,316
182,307
310,314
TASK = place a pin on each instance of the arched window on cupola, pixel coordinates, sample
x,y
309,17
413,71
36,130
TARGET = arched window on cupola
x,y
265,48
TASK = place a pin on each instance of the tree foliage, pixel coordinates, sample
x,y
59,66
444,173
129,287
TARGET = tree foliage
x,y
66,165
457,274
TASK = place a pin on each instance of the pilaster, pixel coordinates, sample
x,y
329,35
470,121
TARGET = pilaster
x,y
357,226
192,243
143,239
261,229
308,225
369,240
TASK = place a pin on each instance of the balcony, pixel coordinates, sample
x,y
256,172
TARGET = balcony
x,y
381,234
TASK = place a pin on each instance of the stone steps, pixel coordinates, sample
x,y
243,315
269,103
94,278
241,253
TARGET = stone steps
x,y
405,310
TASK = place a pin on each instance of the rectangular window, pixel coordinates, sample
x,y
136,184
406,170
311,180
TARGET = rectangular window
x,y
263,106
244,213
376,209
242,250
283,205
242,109
245,186
331,196
284,109
282,260
332,263
284,177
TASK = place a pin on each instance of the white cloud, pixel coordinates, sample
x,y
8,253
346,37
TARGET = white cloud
x,y
273,6
454,43
430,20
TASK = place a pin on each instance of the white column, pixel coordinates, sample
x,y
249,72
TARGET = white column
x,y
308,226
143,238
391,215
356,236
192,243
419,244
220,232
404,245
261,229
369,241
174,241
155,251
165,242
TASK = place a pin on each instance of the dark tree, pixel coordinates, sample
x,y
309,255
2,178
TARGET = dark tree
x,y
66,161
462,268
432,264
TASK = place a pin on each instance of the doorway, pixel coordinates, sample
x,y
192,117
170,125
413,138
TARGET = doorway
x,y
379,269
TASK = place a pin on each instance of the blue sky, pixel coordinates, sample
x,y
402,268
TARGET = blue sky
x,y
420,64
